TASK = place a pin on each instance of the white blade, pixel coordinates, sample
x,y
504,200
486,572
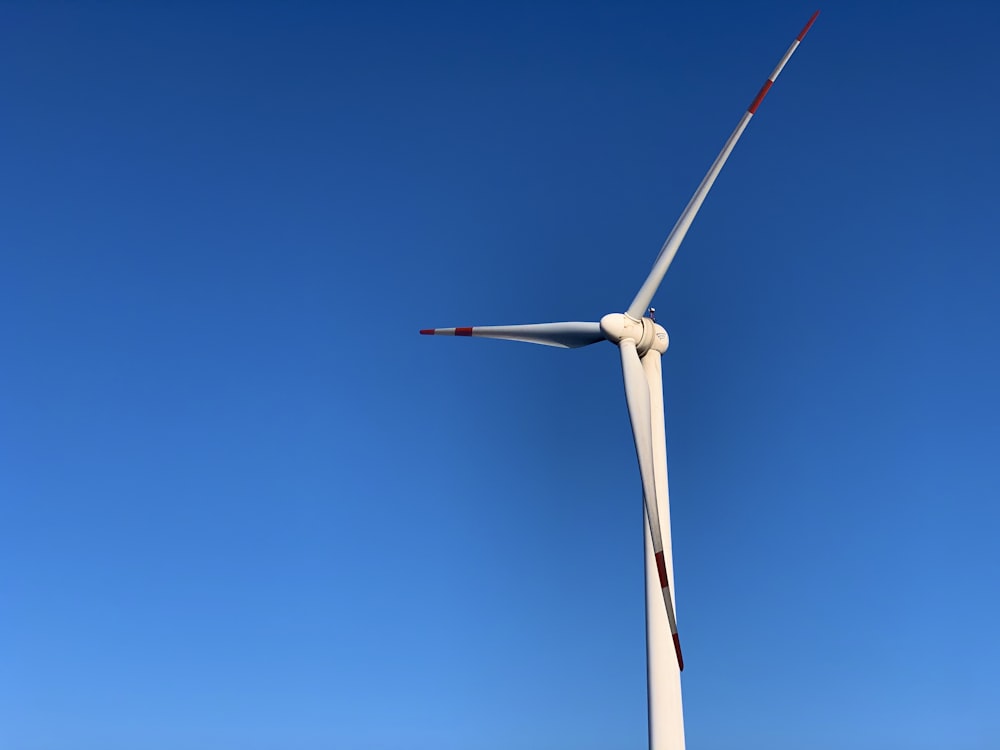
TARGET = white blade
x,y
651,366
564,335
637,395
663,683
645,296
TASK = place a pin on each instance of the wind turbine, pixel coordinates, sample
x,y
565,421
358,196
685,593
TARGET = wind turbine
x,y
641,341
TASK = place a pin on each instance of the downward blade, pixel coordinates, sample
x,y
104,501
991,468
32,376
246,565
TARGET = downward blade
x,y
637,396
654,380
645,295
564,335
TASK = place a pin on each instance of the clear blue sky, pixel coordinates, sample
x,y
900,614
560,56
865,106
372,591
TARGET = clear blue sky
x,y
244,505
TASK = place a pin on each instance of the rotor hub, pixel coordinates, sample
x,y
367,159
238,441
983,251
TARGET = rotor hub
x,y
645,332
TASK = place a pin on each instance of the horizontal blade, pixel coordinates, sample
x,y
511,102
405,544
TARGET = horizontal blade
x,y
645,296
637,397
564,335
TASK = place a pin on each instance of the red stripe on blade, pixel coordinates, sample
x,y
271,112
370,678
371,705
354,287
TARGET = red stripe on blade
x,y
426,331
808,25
752,109
661,568
677,650
463,331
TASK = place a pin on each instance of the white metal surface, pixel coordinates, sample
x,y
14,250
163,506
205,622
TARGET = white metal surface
x,y
637,396
645,332
663,676
641,343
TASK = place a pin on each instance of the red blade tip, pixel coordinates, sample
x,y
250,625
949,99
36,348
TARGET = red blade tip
x,y
677,649
807,27
426,331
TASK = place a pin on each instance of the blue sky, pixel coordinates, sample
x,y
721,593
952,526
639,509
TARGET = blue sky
x,y
244,505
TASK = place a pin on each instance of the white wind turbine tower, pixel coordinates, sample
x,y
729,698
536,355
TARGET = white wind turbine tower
x,y
641,342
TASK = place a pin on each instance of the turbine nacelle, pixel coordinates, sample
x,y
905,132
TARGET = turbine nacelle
x,y
645,332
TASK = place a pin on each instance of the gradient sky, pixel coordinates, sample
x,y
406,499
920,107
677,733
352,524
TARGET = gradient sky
x,y
244,505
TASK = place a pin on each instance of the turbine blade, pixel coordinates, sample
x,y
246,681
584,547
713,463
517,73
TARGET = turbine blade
x,y
645,295
654,380
637,396
564,335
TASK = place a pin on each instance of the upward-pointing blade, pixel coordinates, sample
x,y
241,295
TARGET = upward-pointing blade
x,y
640,415
564,335
645,295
